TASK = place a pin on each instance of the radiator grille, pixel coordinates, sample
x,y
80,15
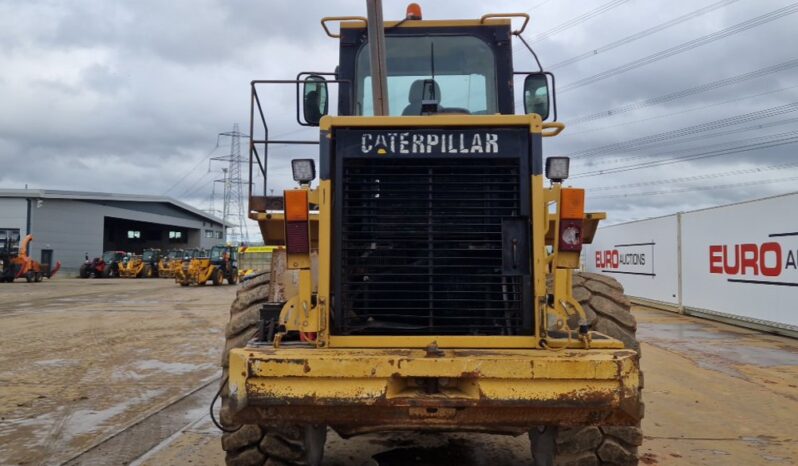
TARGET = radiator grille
x,y
421,246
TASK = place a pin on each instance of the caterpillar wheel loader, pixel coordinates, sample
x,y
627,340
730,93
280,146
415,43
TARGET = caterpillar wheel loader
x,y
220,265
427,280
170,263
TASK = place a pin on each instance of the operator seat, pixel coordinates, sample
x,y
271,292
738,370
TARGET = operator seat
x,y
418,93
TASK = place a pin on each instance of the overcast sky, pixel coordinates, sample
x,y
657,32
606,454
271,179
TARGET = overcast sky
x,y
129,96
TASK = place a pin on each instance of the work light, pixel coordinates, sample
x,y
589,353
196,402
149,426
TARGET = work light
x,y
304,170
557,168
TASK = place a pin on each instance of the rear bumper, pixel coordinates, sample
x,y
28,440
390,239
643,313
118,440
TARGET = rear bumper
x,y
362,389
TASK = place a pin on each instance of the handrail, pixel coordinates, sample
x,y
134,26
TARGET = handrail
x,y
558,127
256,112
339,19
508,15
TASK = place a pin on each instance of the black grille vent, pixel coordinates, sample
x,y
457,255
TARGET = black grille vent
x,y
421,246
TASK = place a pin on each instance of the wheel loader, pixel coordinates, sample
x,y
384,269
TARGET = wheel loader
x,y
219,265
427,281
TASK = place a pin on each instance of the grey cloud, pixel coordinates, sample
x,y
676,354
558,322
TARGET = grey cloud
x,y
130,95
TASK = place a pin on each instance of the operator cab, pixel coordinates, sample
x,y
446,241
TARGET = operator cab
x,y
462,67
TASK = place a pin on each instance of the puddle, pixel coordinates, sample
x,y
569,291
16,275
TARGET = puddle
x,y
646,331
28,433
57,362
86,421
171,367
714,349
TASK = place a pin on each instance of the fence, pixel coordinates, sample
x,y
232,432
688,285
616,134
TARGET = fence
x,y
737,262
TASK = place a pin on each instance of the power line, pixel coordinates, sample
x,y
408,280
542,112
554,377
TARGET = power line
x,y
687,179
642,34
759,126
681,48
680,112
688,130
193,168
537,6
685,92
775,141
699,188
603,8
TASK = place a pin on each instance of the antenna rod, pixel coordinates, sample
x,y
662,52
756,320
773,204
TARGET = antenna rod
x,y
379,75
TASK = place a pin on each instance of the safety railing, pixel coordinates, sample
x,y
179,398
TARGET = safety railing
x,y
259,148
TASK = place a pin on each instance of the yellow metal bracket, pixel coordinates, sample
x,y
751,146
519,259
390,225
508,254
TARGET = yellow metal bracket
x,y
507,15
339,19
556,128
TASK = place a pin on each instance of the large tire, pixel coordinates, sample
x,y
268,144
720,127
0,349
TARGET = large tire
x,y
608,312
218,277
251,444
84,271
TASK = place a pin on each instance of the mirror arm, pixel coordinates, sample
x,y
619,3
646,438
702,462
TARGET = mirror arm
x,y
530,51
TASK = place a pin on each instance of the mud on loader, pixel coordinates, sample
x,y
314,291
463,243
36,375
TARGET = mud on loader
x,y
220,265
428,279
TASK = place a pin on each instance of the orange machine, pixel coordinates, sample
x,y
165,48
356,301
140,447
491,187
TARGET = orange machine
x,y
22,265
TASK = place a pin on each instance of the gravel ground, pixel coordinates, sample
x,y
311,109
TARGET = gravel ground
x,y
81,360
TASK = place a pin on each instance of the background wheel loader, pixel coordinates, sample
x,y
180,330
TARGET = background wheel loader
x,y
427,279
219,265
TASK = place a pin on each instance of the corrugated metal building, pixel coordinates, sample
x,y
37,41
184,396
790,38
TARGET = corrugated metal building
x,y
71,224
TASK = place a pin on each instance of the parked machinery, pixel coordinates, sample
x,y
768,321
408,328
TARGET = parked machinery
x,y
15,260
131,266
254,259
427,281
170,263
106,266
181,273
141,266
219,265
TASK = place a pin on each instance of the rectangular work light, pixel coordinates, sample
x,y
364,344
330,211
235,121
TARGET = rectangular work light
x,y
557,168
304,170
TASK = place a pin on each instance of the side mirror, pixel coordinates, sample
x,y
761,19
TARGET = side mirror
x,y
536,95
315,102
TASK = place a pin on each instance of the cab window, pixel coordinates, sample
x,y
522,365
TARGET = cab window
x,y
457,71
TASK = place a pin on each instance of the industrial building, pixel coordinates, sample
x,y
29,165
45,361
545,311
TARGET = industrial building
x,y
69,224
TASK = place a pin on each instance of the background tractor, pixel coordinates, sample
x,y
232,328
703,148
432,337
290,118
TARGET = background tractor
x,y
427,279
219,265
106,266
